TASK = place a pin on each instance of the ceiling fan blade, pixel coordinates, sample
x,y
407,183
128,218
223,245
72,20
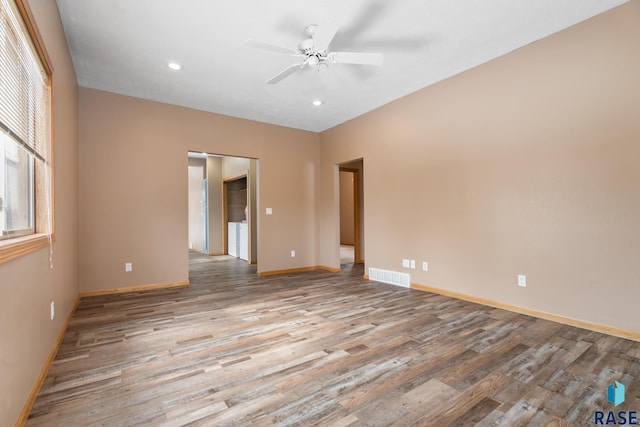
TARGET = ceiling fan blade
x,y
271,47
356,58
324,33
282,74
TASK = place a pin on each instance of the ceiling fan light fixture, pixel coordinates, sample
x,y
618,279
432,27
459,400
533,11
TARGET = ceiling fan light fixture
x,y
315,53
174,66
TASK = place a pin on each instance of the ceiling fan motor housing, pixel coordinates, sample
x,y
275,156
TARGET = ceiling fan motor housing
x,y
314,57
306,46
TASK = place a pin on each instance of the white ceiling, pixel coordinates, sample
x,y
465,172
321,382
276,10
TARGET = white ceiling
x,y
123,46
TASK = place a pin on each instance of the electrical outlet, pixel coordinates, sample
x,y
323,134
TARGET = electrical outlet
x,y
413,264
268,211
522,280
406,263
128,267
293,254
52,310
425,266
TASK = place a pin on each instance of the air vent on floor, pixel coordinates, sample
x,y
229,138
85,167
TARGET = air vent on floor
x,y
390,277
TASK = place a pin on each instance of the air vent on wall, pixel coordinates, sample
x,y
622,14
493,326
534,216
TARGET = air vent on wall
x,y
390,277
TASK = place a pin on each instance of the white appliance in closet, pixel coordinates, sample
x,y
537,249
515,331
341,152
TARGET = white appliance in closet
x,y
238,240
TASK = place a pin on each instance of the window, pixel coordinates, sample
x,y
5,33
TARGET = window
x,y
25,140
16,177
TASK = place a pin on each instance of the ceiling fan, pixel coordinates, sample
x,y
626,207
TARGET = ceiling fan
x,y
314,52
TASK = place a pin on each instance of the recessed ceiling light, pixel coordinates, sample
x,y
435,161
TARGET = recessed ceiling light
x,y
317,102
174,66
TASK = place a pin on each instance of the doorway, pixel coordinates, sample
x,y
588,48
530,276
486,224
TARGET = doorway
x,y
224,179
351,212
235,202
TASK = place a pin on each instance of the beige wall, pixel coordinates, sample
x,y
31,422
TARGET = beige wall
x,y
140,216
525,165
27,284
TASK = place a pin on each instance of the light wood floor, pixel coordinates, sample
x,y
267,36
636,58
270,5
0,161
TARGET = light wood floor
x,y
320,348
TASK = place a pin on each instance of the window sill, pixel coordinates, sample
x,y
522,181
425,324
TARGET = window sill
x,y
19,246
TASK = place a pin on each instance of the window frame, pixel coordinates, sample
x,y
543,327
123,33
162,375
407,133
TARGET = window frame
x,y
16,247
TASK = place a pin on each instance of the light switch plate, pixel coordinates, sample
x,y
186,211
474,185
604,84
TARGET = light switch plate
x,y
269,211
522,280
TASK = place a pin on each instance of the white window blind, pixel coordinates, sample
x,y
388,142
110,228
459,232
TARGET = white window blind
x,y
24,88
25,142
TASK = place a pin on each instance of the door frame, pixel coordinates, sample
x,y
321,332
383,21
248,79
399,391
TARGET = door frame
x,y
357,259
